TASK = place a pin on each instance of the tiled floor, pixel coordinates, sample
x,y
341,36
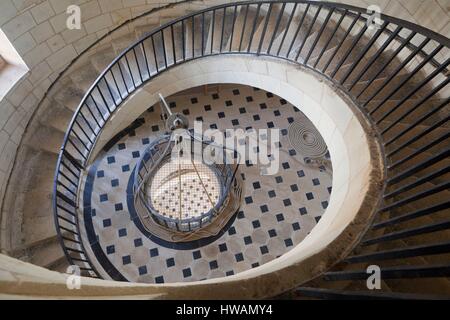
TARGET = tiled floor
x,y
277,211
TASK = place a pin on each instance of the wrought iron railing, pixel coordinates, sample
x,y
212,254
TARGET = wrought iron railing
x,y
158,154
397,75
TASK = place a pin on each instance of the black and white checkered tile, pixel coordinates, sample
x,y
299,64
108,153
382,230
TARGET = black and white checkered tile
x,y
277,212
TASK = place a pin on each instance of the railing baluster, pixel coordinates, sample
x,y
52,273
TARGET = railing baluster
x,y
138,66
414,124
223,28
386,63
419,167
164,48
265,28
418,182
255,21
375,57
243,26
129,71
361,55
338,47
316,40
300,25
404,81
308,33
232,28
277,26
203,33
288,26
396,71
336,28
183,38
417,105
412,215
213,24
349,51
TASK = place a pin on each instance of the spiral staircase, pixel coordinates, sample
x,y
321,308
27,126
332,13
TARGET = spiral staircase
x,y
397,74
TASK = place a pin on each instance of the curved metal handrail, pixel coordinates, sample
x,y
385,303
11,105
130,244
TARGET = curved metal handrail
x,y
226,176
121,78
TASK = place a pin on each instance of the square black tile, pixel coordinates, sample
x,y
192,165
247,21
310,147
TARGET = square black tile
x,y
187,272
106,223
264,249
126,260
196,255
213,265
256,185
138,242
110,249
142,270
223,247
136,154
170,262
248,240
239,257
288,242
154,252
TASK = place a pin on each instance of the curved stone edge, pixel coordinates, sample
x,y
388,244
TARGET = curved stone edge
x,y
35,281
